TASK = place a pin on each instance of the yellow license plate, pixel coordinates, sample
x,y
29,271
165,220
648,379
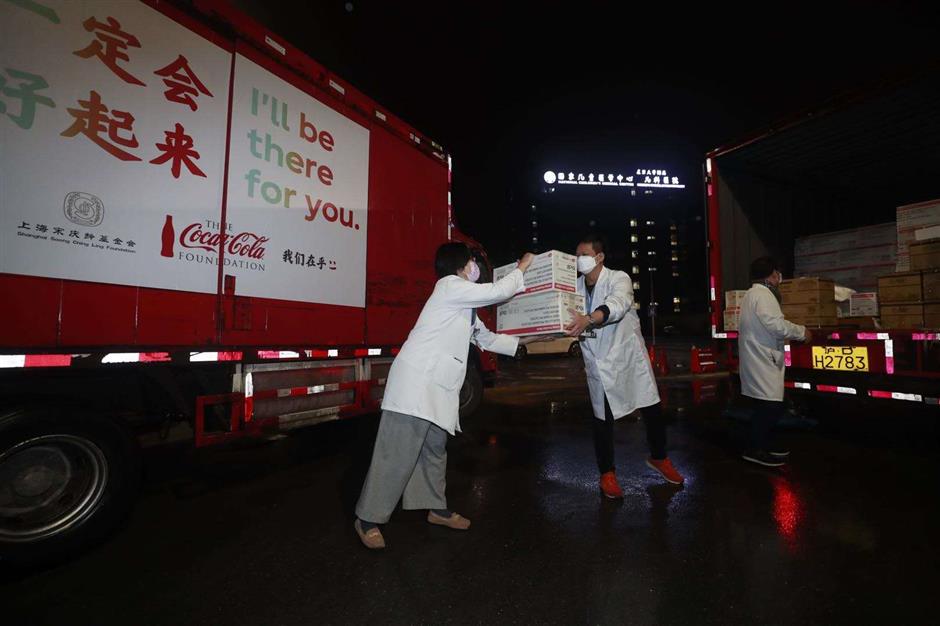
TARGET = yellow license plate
x,y
840,358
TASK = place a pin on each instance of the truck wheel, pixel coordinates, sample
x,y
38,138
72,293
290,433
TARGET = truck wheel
x,y
574,349
66,481
471,394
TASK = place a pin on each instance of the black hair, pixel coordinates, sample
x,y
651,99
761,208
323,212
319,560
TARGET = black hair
x,y
597,241
763,267
451,258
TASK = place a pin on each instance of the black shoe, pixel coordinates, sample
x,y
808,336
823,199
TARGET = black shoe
x,y
762,458
780,453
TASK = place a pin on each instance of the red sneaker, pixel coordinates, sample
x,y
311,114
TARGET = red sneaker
x,y
666,470
610,487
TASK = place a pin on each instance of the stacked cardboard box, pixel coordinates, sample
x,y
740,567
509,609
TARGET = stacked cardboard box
x,y
901,299
925,255
809,301
852,258
549,270
910,219
910,300
544,307
732,318
732,312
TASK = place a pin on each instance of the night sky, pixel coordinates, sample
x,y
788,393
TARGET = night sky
x,y
513,89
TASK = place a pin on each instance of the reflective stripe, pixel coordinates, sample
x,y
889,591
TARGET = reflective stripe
x,y
896,395
12,360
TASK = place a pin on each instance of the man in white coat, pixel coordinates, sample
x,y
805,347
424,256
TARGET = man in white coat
x,y
762,331
619,375
421,402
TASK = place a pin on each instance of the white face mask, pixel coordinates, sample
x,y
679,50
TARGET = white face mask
x,y
474,274
586,263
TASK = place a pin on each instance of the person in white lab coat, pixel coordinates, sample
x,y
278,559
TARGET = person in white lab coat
x,y
422,394
619,374
762,331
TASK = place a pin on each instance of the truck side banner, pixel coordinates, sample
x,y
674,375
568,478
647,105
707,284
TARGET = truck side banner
x,y
298,175
113,123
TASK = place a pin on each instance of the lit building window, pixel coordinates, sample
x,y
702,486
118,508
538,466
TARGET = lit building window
x,y
676,309
676,300
636,269
636,306
633,223
651,237
675,274
634,239
651,253
675,257
650,223
636,286
635,254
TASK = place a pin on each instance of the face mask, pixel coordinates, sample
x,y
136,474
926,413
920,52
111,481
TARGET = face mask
x,y
474,274
586,263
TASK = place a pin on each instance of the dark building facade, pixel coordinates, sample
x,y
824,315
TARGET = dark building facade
x,y
657,235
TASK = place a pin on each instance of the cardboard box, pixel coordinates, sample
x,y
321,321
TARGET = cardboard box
x,y
863,304
541,313
814,296
732,318
807,284
825,309
925,255
861,323
910,219
902,287
549,270
923,234
931,281
932,316
734,298
902,315
902,322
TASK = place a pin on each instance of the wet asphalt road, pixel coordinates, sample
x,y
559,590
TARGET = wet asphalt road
x,y
262,534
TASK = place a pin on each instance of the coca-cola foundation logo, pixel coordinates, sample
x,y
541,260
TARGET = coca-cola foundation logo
x,y
241,249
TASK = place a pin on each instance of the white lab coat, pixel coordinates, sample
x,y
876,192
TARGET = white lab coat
x,y
615,361
762,331
426,376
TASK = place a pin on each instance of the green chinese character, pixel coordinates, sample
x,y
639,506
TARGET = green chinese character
x,y
26,93
38,9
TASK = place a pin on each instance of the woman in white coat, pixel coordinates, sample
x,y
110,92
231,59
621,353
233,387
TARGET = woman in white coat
x,y
762,331
619,375
422,394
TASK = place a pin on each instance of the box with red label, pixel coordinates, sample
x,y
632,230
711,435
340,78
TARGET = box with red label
x,y
542,313
549,270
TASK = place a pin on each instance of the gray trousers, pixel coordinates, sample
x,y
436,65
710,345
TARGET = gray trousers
x,y
409,463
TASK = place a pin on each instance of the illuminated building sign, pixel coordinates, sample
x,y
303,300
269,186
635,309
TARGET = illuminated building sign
x,y
646,178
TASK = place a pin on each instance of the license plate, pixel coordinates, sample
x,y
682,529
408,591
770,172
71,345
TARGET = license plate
x,y
840,358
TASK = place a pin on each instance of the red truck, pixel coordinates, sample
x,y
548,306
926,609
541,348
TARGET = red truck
x,y
845,165
205,234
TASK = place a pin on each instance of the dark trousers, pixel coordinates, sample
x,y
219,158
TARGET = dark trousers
x,y
604,435
764,418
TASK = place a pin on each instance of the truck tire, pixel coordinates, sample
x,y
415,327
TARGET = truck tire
x,y
66,482
471,393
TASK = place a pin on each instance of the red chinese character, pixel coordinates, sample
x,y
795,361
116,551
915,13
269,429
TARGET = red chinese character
x,y
178,147
184,84
115,43
92,120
